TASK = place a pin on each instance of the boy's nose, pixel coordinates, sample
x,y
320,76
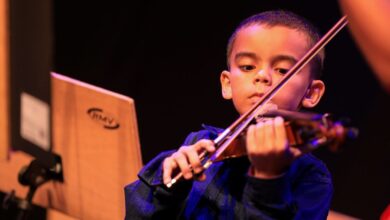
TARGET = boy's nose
x,y
263,77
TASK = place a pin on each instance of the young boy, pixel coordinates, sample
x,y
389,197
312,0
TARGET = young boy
x,y
274,181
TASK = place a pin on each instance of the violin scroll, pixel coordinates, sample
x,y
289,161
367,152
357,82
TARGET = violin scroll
x,y
309,131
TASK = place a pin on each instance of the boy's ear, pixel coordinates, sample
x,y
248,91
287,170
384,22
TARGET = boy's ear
x,y
313,94
225,85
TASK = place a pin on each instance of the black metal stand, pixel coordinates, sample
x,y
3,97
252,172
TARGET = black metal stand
x,y
33,176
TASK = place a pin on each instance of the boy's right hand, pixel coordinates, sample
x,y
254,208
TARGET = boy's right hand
x,y
187,161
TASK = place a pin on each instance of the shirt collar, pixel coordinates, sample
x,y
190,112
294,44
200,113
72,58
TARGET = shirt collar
x,y
213,130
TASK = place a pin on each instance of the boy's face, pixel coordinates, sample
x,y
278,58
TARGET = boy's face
x,y
260,57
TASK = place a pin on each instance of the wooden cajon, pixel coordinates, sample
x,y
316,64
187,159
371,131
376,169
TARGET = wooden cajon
x,y
95,133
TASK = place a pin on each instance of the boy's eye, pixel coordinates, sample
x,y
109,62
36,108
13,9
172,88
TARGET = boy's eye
x,y
246,68
281,70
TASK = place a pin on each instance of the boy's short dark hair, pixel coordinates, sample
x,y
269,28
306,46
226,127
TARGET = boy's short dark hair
x,y
286,19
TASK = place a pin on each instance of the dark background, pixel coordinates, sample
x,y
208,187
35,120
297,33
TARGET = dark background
x,y
168,56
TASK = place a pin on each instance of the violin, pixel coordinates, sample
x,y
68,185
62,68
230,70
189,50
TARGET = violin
x,y
307,131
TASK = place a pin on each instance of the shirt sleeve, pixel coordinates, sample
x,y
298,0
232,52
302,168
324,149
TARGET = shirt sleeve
x,y
148,198
313,193
306,196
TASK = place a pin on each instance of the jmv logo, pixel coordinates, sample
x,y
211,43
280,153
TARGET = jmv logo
x,y
103,118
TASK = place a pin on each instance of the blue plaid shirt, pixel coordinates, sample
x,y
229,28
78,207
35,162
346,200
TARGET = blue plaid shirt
x,y
304,192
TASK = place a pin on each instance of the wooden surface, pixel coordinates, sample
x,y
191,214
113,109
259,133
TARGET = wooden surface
x,y
10,162
333,215
97,162
3,80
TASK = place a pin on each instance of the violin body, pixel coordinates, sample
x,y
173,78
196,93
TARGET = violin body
x,y
306,131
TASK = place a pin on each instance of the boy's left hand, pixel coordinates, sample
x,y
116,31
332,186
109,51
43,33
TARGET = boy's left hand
x,y
268,149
